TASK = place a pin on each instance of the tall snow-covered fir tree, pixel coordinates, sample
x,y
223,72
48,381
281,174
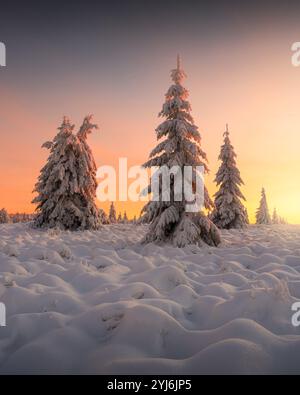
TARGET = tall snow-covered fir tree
x,y
67,183
262,213
229,210
169,221
4,217
112,214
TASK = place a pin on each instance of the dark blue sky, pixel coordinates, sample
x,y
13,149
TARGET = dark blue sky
x,y
26,25
43,37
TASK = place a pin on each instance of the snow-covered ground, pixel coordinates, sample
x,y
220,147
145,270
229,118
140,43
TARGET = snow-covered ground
x,y
99,302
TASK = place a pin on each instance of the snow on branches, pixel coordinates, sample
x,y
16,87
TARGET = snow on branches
x,y
181,147
66,187
262,214
229,210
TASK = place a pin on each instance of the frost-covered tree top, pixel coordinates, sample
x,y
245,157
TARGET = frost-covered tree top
x,y
112,214
4,217
179,146
86,128
262,213
67,184
181,143
229,210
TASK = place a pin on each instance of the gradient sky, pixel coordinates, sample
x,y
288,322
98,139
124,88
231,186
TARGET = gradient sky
x,y
113,59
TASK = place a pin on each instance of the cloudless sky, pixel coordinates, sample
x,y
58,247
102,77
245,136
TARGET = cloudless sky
x,y
113,59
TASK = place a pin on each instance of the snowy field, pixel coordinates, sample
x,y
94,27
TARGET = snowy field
x,y
99,302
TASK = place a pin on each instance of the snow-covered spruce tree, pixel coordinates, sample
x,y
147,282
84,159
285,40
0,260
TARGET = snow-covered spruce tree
x,y
169,221
112,214
229,210
119,220
103,217
282,221
275,217
125,218
4,217
262,213
21,217
67,183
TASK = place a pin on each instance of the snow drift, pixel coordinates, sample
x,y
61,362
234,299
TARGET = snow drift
x,y
100,302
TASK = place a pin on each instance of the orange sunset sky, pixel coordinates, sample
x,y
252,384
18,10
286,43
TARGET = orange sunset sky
x,y
239,72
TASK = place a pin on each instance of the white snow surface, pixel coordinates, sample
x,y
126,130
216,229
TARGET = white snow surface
x,y
100,302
